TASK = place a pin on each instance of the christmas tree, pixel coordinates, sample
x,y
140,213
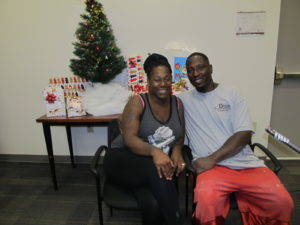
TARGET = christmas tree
x,y
99,58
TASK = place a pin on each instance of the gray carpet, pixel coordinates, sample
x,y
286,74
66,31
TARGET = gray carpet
x,y
27,196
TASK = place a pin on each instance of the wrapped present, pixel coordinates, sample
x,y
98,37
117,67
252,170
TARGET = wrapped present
x,y
55,101
73,88
72,82
137,81
180,86
75,106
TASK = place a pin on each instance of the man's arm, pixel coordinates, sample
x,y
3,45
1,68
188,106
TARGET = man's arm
x,y
232,146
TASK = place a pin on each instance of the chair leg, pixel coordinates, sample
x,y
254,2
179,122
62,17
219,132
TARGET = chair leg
x,y
99,200
100,213
176,183
186,194
111,211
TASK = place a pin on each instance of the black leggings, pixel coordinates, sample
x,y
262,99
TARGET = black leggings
x,y
138,173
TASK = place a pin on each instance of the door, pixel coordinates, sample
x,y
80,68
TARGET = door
x,y
285,116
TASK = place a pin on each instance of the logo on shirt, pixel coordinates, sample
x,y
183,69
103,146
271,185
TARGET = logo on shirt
x,y
162,137
222,107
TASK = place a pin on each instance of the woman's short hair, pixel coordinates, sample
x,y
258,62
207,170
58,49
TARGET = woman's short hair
x,y
155,60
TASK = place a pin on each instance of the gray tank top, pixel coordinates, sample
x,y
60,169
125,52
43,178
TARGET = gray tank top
x,y
157,133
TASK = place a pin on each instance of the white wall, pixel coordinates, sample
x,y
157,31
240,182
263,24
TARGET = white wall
x,y
36,37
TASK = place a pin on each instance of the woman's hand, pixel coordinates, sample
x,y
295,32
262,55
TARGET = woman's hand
x,y
178,162
164,165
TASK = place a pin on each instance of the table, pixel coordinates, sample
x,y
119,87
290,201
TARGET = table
x,y
68,122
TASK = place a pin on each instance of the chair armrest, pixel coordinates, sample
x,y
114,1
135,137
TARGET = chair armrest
x,y
95,160
275,161
187,157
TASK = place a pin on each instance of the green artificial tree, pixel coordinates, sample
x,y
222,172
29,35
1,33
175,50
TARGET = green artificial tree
x,y
99,58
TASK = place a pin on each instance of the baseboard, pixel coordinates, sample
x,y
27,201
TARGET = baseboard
x,y
43,158
288,158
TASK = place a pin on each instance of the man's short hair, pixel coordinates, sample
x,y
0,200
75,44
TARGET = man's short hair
x,y
196,54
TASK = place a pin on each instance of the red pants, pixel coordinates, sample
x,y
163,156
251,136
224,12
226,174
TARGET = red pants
x,y
262,198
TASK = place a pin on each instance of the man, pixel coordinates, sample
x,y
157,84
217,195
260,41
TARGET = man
x,y
219,130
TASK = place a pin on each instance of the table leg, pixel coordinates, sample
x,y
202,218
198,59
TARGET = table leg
x,y
69,136
47,135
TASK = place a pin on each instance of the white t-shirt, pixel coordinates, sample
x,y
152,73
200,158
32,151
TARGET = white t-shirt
x,y
211,118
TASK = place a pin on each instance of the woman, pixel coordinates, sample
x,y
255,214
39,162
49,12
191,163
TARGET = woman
x,y
153,132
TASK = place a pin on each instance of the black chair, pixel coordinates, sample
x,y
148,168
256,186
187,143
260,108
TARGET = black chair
x,y
234,216
114,196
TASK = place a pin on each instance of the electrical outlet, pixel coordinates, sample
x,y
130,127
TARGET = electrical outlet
x,y
90,129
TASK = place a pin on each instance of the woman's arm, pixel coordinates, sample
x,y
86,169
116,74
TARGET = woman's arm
x,y
177,147
130,127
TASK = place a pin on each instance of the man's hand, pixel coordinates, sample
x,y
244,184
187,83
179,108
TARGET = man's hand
x,y
164,165
203,164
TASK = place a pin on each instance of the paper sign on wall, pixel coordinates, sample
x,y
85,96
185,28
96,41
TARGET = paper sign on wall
x,y
251,23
